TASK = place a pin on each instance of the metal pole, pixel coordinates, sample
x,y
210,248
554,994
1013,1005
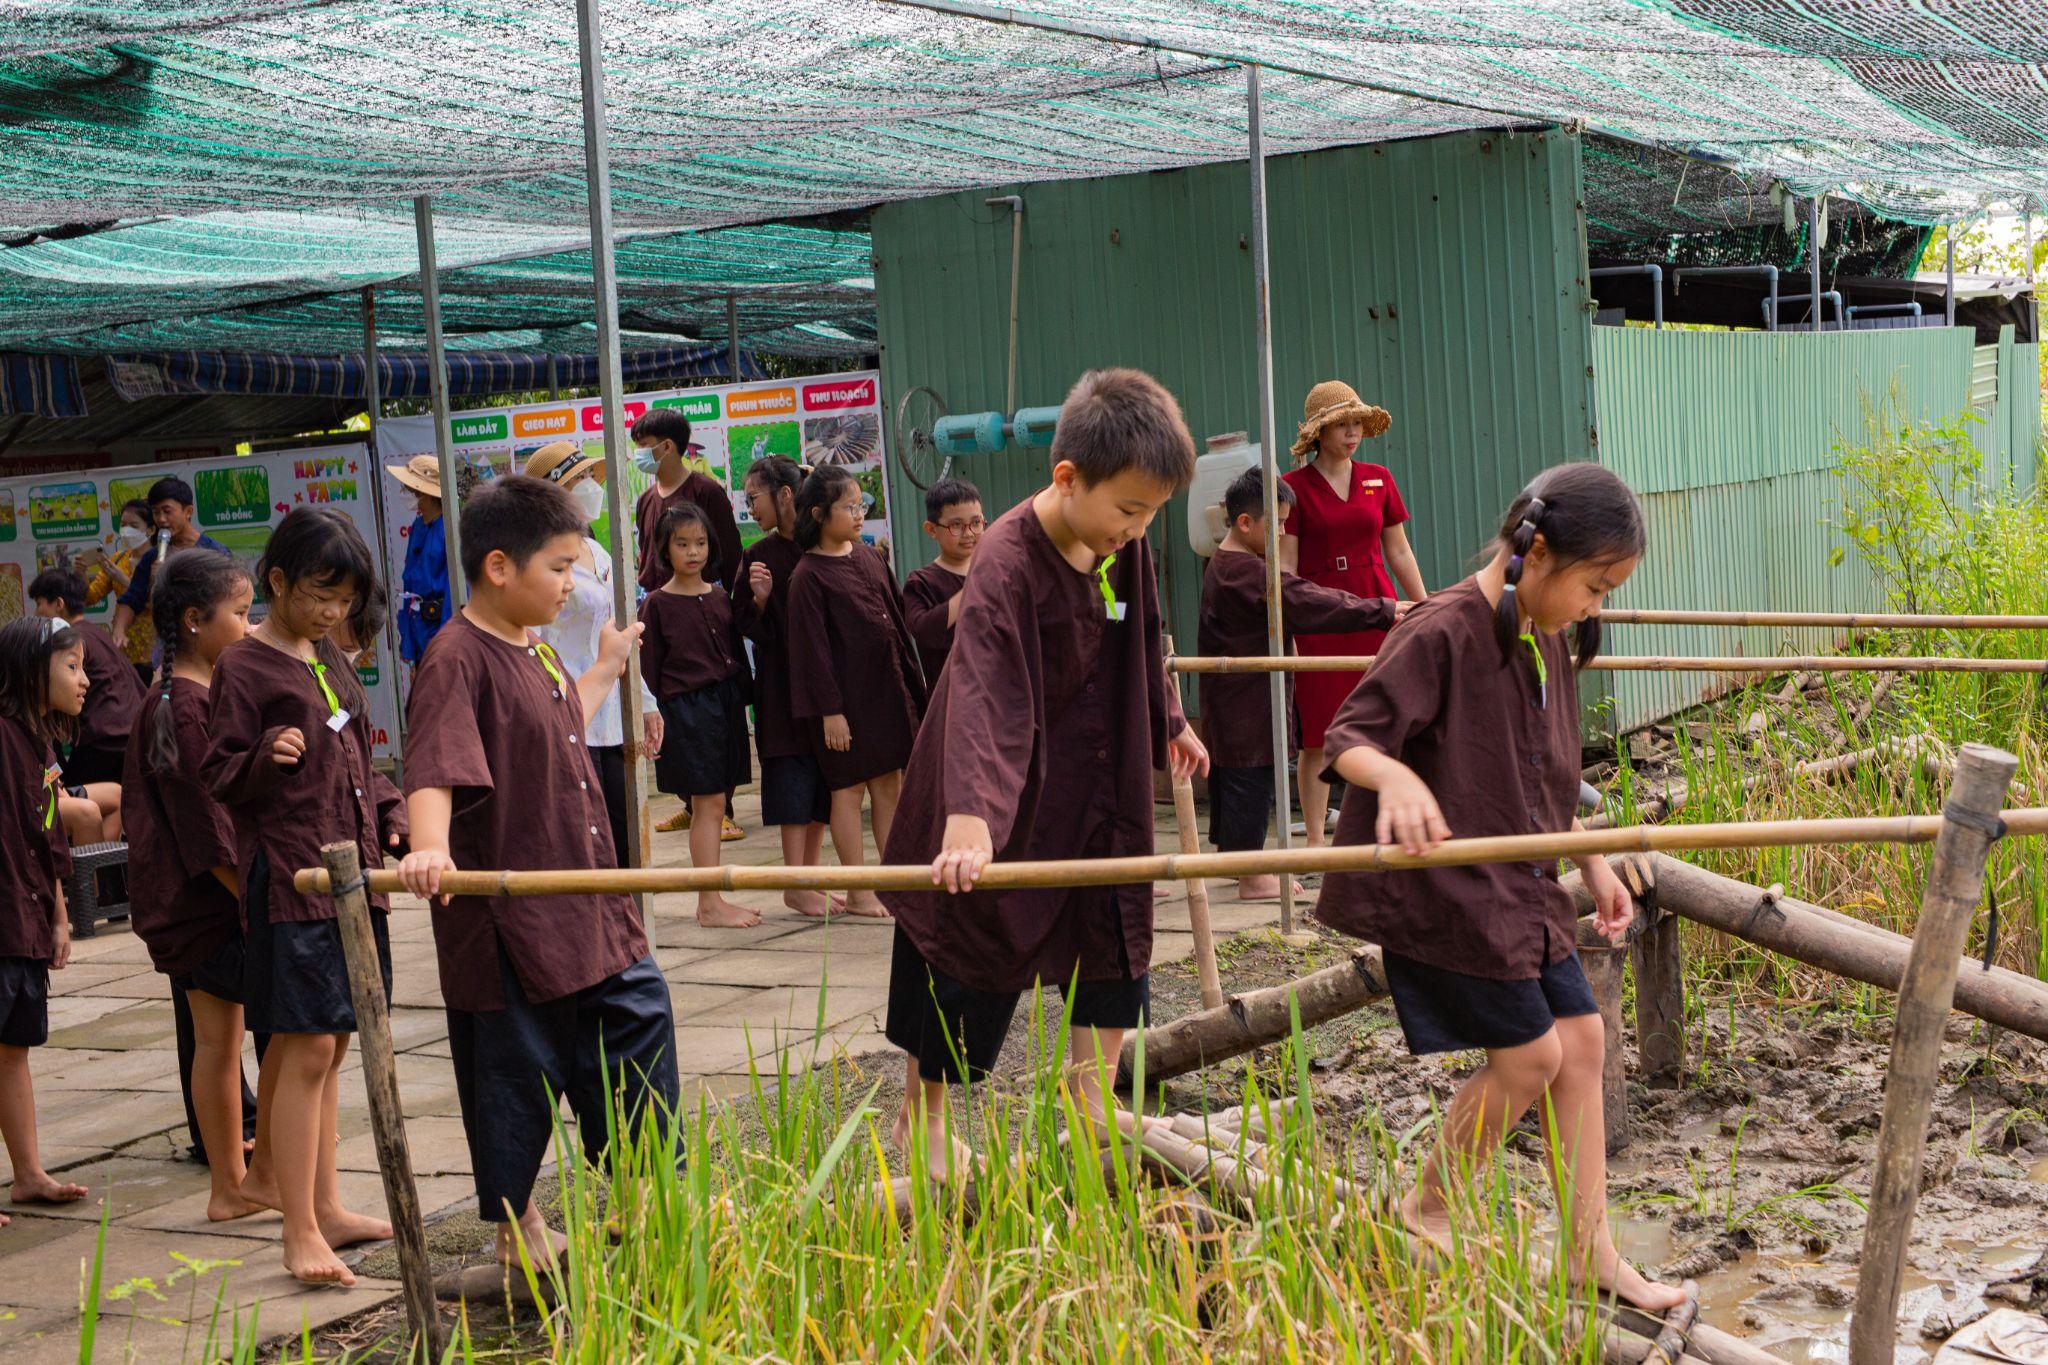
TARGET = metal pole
x,y
732,334
610,386
1269,458
1813,259
1948,267
373,406
2027,243
554,376
437,385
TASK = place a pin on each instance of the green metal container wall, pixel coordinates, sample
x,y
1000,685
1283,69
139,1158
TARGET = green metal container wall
x,y
1730,438
1440,277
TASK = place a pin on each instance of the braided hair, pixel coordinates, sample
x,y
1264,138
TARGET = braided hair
x,y
190,582
1582,511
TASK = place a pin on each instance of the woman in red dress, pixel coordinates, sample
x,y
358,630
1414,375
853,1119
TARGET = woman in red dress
x,y
1344,531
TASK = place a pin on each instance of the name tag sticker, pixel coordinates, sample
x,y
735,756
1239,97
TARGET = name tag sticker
x,y
1117,610
338,721
1375,483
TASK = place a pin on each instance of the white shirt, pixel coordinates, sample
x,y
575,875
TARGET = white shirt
x,y
574,635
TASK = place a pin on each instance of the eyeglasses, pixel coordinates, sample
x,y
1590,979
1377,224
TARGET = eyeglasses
x,y
964,528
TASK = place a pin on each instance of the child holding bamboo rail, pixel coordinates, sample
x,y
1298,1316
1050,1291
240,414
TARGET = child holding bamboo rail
x,y
1052,713
1469,723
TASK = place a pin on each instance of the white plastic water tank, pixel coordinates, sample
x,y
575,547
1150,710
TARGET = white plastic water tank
x,y
1228,456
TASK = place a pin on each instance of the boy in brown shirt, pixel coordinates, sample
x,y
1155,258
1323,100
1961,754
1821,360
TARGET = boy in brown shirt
x,y
1237,708
1051,716
538,988
931,596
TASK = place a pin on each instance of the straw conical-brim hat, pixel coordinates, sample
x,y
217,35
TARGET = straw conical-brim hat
x,y
1334,401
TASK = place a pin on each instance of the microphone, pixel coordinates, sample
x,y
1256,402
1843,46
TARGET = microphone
x,y
163,543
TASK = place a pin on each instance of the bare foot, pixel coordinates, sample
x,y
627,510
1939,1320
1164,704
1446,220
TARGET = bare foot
x,y
1160,893
4,1220
226,1206
311,1261
1431,1225
1084,1082
1626,1283
810,904
41,1187
344,1229
260,1189
866,905
944,1154
1262,888
544,1246
716,912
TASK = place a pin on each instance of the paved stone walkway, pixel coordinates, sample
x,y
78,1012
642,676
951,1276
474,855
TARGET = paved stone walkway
x,y
111,1118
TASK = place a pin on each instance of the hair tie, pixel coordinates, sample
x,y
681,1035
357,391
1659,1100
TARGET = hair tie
x,y
1536,510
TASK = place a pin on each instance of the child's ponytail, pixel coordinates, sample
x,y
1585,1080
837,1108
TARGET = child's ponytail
x,y
196,581
1582,511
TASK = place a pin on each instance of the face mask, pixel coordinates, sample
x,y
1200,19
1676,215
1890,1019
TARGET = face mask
x,y
128,537
645,460
589,497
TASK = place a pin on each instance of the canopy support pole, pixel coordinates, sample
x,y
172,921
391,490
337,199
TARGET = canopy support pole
x,y
1813,260
610,384
373,407
437,386
732,334
1269,458
1948,270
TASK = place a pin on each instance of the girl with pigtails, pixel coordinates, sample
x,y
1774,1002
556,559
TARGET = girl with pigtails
x,y
1467,725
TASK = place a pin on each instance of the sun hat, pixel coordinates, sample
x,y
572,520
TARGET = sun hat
x,y
1332,401
561,462
422,474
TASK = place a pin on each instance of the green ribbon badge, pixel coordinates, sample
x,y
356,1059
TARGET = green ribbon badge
x,y
1542,673
547,661
320,676
1110,606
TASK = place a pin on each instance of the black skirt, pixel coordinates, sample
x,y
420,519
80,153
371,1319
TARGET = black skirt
x,y
1446,1011
704,741
24,1002
295,975
222,975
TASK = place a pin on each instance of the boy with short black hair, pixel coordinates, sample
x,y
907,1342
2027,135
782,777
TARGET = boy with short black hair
x,y
170,507
1237,708
115,697
931,596
661,441
1051,716
537,987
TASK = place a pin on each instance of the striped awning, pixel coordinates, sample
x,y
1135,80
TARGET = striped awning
x,y
41,385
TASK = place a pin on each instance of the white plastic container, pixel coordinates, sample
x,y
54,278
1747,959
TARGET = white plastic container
x,y
1228,456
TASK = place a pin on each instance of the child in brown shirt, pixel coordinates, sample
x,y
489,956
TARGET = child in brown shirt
x,y
290,759
538,988
694,662
92,760
931,595
853,666
1051,716
42,689
1468,724
1237,708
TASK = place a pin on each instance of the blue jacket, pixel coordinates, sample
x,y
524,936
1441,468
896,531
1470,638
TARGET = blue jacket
x,y
423,603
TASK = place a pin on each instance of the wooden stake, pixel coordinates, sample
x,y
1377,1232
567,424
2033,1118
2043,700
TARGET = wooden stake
x,y
1198,893
1955,882
1244,1023
387,1114
1604,964
1660,1002
1645,663
1890,829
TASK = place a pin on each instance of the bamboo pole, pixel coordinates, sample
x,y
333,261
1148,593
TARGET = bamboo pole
x,y
387,1114
1660,802
1837,620
1644,663
1170,867
1926,994
1245,1023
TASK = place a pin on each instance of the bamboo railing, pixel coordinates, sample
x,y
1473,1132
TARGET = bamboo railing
x,y
1648,663
1839,620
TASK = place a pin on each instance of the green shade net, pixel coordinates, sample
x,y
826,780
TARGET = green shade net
x,y
272,146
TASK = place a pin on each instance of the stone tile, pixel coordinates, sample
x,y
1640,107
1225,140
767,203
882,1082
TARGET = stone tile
x,y
113,945
681,930
689,999
92,1121
132,1185
708,1049
68,1011
144,983
412,1028
437,1145
42,1336
85,1069
87,976
24,1237
147,1024
854,968
418,989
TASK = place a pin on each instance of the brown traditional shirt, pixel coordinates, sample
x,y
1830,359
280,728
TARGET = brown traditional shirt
x,y
690,642
331,794
177,834
1500,752
34,854
708,494
489,722
1237,708
1049,722
927,598
777,733
114,694
850,654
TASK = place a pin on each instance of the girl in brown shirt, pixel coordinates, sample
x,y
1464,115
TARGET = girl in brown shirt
x,y
181,854
290,759
42,690
690,655
854,673
1468,724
